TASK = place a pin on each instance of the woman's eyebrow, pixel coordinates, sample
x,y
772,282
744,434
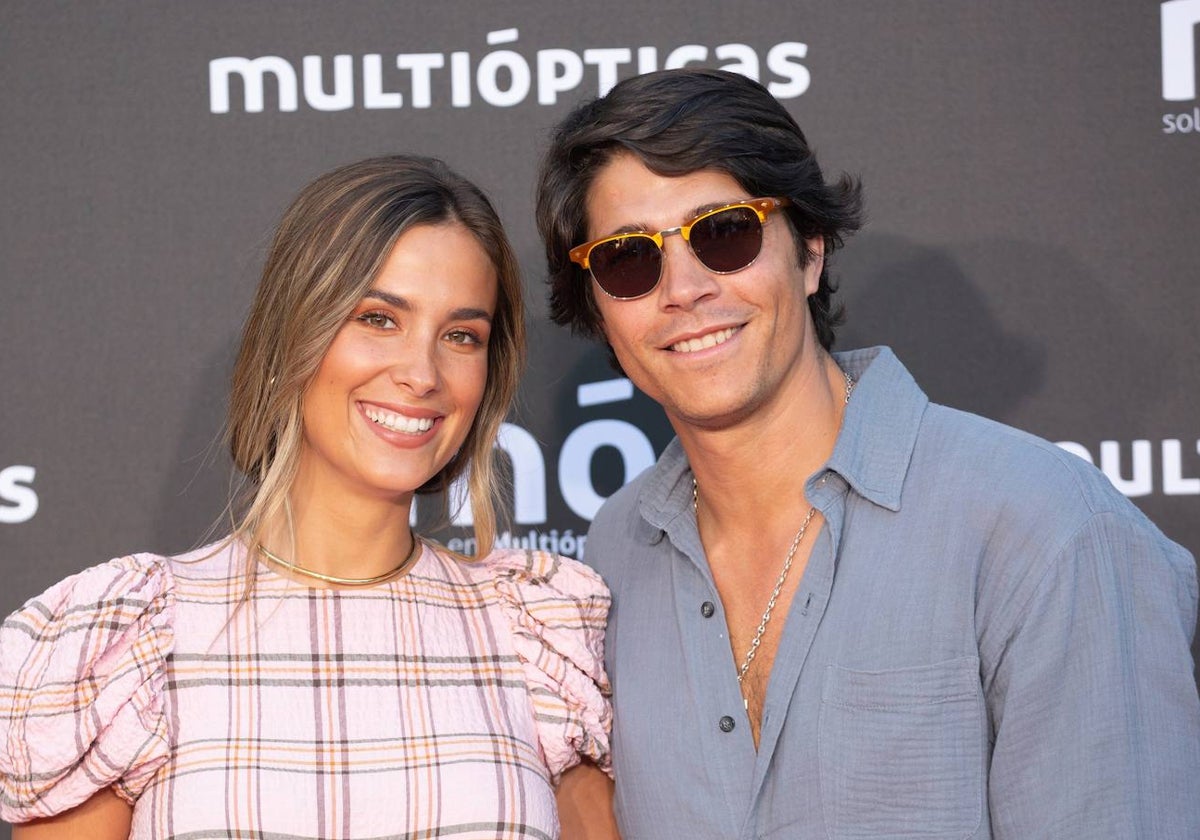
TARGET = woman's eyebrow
x,y
389,299
466,313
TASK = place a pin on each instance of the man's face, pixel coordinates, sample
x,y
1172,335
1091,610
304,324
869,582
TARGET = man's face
x,y
712,349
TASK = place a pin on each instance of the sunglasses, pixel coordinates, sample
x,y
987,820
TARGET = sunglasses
x,y
724,240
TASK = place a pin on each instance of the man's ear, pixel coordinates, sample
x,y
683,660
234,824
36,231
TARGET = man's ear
x,y
815,246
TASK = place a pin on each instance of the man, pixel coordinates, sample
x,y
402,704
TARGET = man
x,y
841,610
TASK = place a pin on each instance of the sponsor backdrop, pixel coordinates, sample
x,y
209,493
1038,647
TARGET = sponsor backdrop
x,y
1032,173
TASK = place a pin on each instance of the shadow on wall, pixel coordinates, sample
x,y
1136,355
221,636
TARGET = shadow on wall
x,y
923,304
996,322
197,487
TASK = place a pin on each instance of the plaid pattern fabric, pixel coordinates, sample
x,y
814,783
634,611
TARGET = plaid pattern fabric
x,y
441,704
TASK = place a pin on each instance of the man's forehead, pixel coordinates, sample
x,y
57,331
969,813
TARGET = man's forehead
x,y
627,193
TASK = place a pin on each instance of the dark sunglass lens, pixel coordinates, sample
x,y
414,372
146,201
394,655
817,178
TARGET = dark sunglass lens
x,y
626,267
727,241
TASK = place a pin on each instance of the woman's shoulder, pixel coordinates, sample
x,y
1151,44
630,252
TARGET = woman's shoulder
x,y
82,677
119,587
544,570
557,610
132,578
220,560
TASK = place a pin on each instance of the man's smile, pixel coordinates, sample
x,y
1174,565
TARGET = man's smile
x,y
703,342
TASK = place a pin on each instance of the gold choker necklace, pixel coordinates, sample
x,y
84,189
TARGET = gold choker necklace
x,y
341,581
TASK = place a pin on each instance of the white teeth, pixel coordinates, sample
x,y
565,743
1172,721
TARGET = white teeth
x,y
398,422
704,342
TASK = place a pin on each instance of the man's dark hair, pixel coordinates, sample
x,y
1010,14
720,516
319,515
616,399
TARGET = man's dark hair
x,y
678,122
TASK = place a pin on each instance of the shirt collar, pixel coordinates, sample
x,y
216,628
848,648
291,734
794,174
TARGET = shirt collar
x,y
872,453
667,491
879,429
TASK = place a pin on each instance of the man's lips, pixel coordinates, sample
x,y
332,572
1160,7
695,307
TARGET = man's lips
x,y
705,341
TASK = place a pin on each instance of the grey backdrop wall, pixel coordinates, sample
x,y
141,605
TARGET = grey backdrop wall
x,y
1033,178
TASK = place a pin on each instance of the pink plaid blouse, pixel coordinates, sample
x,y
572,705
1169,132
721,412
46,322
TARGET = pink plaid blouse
x,y
444,703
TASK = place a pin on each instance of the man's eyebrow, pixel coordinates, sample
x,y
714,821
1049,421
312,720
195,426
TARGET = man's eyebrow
x,y
630,228
712,205
466,313
687,217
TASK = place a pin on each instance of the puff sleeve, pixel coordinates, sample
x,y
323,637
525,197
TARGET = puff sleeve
x,y
558,609
82,679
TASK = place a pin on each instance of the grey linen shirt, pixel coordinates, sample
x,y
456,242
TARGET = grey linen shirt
x,y
988,641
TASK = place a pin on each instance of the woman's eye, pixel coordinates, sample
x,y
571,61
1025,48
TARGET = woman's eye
x,y
379,320
463,337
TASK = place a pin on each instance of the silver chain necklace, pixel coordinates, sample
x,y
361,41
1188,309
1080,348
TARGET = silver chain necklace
x,y
783,573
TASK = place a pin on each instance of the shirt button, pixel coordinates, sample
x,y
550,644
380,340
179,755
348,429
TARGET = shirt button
x,y
707,609
726,723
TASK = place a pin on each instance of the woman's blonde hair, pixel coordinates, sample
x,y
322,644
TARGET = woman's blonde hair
x,y
330,245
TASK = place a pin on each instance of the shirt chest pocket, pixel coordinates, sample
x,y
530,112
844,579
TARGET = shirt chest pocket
x,y
902,752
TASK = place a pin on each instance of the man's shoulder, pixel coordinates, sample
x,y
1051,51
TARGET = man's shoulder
x,y
622,506
1026,515
1016,459
961,459
617,527
1020,477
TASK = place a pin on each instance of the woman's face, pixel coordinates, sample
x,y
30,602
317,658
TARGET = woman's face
x,y
397,391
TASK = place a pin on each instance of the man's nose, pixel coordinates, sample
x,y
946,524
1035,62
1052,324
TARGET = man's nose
x,y
685,281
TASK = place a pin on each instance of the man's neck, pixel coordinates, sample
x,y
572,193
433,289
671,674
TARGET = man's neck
x,y
763,461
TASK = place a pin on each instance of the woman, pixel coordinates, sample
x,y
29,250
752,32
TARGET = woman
x,y
324,672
